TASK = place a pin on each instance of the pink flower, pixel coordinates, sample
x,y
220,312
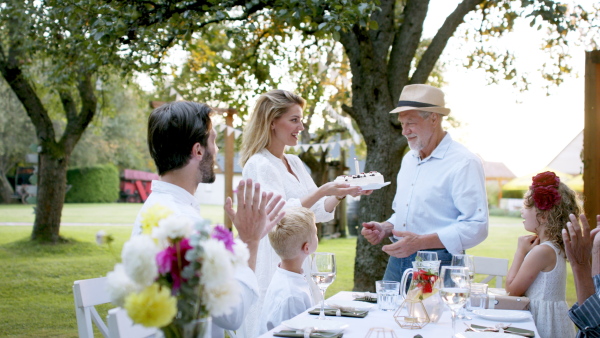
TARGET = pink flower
x,y
171,262
223,234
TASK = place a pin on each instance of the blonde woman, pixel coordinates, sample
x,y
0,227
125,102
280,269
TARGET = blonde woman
x,y
275,123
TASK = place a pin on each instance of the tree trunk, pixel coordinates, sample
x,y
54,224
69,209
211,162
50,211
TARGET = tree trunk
x,y
371,261
50,197
6,190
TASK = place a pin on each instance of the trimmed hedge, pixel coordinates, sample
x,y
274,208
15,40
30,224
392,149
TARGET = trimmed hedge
x,y
98,184
513,193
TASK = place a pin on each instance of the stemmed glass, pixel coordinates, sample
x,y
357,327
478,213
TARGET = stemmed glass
x,y
468,262
322,271
426,256
455,289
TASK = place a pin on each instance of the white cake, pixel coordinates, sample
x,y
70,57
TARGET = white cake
x,y
361,179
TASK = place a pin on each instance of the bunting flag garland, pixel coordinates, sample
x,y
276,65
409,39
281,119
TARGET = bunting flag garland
x,y
305,147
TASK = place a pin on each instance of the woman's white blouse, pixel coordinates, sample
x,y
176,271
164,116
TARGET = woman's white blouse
x,y
268,170
271,173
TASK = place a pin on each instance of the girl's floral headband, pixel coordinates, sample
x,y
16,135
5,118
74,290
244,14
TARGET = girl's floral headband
x,y
545,190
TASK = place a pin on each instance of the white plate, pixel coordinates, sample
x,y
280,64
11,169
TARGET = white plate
x,y
502,315
359,306
471,334
317,324
374,186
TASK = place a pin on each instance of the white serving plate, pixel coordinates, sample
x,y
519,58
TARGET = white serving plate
x,y
374,186
502,315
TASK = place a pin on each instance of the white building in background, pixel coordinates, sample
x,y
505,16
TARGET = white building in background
x,y
569,159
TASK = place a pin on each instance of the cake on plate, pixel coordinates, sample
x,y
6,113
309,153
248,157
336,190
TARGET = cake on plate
x,y
361,179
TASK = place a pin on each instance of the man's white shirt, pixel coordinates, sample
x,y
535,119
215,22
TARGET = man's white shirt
x,y
181,202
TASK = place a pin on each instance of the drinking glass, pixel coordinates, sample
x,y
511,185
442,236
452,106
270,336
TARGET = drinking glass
x,y
455,289
427,256
322,271
468,262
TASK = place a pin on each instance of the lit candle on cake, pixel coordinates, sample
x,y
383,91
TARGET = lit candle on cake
x,y
357,168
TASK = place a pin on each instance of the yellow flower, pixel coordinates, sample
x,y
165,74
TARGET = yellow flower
x,y
153,307
151,217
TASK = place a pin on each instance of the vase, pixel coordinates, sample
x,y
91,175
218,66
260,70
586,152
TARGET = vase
x,y
198,328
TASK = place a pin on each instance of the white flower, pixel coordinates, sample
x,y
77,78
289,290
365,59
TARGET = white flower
x,y
174,226
119,285
217,267
241,253
139,259
220,299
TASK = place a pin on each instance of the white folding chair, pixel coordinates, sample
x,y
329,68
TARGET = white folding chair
x,y
493,267
91,292
121,326
88,293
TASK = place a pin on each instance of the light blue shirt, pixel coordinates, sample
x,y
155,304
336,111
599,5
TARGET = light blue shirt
x,y
444,194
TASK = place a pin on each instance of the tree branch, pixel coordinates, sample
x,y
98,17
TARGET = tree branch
x,y
440,40
406,42
13,75
77,123
348,110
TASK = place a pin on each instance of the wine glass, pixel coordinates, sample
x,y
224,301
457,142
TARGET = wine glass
x,y
468,262
426,256
455,289
322,271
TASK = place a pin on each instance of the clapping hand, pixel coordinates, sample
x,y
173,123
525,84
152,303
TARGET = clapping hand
x,y
580,242
256,213
527,242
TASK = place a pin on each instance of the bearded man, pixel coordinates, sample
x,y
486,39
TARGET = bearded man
x,y
181,140
440,203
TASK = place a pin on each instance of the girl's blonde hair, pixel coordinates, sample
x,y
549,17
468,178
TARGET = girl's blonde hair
x,y
555,219
269,107
295,228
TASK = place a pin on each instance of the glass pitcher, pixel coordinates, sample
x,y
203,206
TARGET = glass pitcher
x,y
424,286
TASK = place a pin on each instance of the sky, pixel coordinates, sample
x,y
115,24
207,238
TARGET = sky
x,y
525,131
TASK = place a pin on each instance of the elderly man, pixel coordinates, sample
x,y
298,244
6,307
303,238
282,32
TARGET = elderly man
x,y
182,143
440,203
580,244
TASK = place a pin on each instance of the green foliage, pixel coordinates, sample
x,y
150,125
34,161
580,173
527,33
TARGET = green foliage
x,y
513,193
98,184
118,133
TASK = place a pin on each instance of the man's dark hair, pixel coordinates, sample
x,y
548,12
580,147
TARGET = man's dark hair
x,y
173,129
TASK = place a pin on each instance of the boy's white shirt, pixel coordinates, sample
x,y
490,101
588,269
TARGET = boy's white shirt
x,y
288,295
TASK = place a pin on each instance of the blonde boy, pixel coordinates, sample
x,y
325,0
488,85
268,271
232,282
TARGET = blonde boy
x,y
293,239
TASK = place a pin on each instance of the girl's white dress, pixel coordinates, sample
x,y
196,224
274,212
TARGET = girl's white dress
x,y
272,174
547,295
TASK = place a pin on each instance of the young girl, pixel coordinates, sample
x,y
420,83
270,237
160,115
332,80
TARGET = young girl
x,y
539,270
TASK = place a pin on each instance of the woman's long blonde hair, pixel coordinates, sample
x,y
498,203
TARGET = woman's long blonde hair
x,y
269,107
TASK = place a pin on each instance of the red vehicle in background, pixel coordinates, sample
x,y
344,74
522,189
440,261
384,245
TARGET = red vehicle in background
x,y
136,185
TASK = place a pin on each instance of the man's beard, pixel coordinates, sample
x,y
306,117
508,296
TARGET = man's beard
x,y
206,168
416,145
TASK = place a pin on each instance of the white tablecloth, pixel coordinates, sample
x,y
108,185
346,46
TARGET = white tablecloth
x,y
359,327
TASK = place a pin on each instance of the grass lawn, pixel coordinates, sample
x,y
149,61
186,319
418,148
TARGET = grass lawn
x,y
36,283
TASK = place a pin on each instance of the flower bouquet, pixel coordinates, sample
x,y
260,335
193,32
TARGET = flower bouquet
x,y
177,273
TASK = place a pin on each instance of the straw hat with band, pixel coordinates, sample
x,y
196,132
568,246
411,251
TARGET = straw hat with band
x,y
422,97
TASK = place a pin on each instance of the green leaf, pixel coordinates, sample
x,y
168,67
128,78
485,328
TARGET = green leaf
x,y
373,25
